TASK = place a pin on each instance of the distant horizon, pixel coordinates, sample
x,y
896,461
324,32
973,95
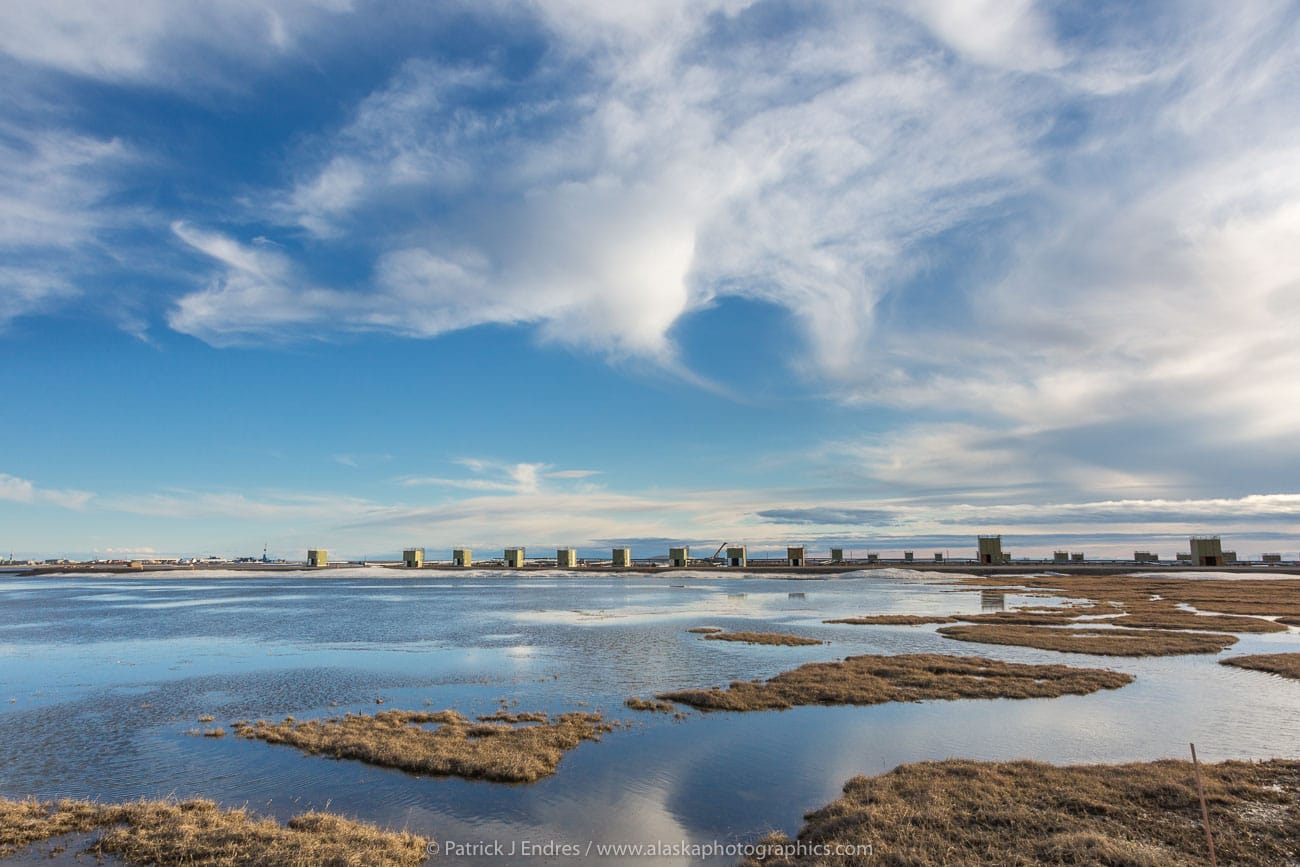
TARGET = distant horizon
x,y
361,274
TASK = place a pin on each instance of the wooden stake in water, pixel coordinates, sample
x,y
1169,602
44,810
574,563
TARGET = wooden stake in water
x,y
1205,812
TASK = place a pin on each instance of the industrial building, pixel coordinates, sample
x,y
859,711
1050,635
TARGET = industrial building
x,y
1207,551
413,558
1145,557
462,557
796,556
1060,556
837,555
622,558
990,550
566,558
679,556
1077,556
1270,558
319,557
938,556
908,556
514,557
736,556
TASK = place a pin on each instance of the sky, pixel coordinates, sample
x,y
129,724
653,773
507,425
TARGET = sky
x,y
879,275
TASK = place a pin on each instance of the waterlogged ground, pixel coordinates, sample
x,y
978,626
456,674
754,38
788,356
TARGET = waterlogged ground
x,y
101,677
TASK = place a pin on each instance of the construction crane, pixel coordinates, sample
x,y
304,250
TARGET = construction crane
x,y
717,552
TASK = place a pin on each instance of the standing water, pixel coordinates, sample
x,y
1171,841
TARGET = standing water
x,y
100,678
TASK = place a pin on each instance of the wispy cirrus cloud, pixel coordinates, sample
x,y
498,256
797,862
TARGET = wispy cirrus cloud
x,y
518,478
19,490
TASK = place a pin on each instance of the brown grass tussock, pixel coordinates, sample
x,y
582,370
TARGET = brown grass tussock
x,y
1096,641
1022,813
455,747
907,677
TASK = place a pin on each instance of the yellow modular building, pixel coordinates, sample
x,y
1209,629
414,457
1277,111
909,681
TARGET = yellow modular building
x,y
514,557
413,558
990,550
566,558
796,556
1207,551
319,557
622,558
462,557
679,556
736,556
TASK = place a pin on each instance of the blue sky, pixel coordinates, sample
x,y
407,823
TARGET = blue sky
x,y
886,275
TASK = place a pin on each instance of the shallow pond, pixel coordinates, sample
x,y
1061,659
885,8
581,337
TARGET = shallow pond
x,y
100,678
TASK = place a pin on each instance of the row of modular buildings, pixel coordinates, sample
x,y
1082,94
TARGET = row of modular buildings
x,y
1205,551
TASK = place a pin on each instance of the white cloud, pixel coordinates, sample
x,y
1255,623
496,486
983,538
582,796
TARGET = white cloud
x,y
18,490
151,40
518,478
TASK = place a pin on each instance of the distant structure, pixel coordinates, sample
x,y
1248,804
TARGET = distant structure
x,y
908,556
990,550
514,557
1183,558
679,556
413,558
1229,557
1077,556
462,557
1271,558
938,556
566,558
1060,556
796,556
622,558
837,555
873,558
736,556
1208,551
1145,557
317,557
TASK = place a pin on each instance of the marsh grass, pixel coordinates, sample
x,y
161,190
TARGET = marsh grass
x,y
907,677
1098,641
1022,813
499,751
705,630
893,620
1251,596
201,834
650,704
1152,617
773,638
1284,664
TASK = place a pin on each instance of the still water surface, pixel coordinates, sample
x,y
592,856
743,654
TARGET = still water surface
x,y
100,678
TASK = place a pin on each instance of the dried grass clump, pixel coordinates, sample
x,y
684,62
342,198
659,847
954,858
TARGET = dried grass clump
x,y
201,834
1157,618
501,752
1060,617
907,677
1285,664
1022,813
650,704
774,638
1269,597
705,630
1098,641
893,620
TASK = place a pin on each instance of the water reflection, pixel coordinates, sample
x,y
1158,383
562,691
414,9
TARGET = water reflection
x,y
992,600
95,695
